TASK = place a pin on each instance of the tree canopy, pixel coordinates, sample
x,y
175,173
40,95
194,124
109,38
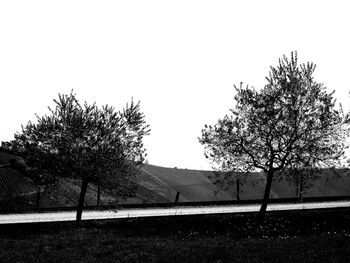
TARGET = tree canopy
x,y
291,123
95,144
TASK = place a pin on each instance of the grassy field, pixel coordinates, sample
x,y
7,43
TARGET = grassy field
x,y
315,236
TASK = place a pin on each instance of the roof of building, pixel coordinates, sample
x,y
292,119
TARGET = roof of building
x,y
13,183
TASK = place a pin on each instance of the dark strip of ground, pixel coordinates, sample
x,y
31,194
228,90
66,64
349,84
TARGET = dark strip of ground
x,y
298,236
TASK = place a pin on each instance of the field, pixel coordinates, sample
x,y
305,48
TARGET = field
x,y
158,185
309,236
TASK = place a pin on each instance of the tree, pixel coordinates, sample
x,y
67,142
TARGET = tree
x,y
291,123
94,144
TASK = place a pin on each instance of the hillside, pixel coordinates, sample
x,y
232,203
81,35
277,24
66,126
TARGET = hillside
x,y
197,185
157,184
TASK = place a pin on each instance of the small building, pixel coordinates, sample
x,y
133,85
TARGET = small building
x,y
13,184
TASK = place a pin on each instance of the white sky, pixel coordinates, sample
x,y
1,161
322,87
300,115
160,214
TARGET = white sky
x,y
180,58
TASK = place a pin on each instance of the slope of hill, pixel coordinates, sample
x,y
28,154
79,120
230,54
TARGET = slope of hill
x,y
191,184
197,185
161,185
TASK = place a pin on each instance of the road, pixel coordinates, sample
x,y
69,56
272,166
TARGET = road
x,y
152,212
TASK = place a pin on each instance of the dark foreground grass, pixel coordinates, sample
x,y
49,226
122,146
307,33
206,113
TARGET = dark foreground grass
x,y
315,236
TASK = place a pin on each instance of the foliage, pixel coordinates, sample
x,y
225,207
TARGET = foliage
x,y
292,123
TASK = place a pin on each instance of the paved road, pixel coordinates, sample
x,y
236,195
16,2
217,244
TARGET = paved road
x,y
149,212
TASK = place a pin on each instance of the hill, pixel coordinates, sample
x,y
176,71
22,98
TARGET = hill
x,y
198,185
157,184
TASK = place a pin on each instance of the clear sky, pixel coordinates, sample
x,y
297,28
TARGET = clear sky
x,y
180,58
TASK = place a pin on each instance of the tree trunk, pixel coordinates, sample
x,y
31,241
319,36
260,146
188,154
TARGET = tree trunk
x,y
80,207
263,207
38,197
301,189
177,197
237,188
98,194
